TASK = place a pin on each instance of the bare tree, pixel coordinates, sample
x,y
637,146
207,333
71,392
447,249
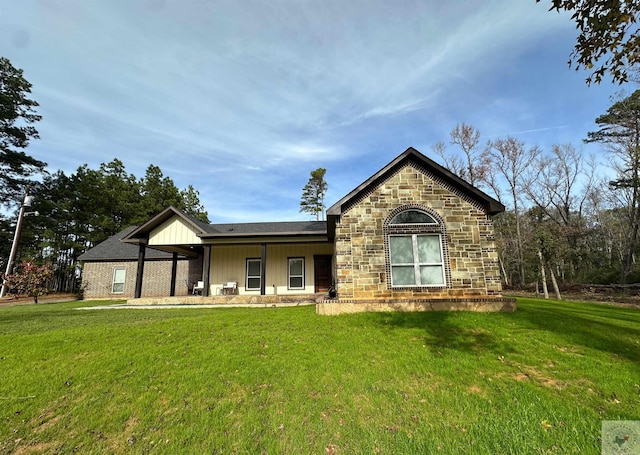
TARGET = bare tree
x,y
559,185
476,160
449,160
510,159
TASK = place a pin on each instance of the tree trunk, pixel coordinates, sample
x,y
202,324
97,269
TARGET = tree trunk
x,y
543,276
504,272
628,259
556,289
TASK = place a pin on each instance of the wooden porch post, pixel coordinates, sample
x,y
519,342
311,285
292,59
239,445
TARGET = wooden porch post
x,y
263,270
141,253
174,272
206,269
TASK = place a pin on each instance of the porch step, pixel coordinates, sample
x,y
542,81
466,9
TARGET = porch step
x,y
229,300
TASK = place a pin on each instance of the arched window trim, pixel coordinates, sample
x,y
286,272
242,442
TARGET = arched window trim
x,y
414,230
433,221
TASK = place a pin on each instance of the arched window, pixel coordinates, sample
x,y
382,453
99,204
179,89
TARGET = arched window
x,y
412,217
415,250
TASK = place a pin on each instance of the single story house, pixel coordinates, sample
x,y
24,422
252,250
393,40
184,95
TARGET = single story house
x,y
412,237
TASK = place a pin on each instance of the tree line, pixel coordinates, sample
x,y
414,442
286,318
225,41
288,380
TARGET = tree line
x,y
76,212
565,222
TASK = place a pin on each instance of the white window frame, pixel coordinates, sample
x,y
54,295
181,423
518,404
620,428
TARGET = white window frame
x,y
259,276
289,275
416,261
114,282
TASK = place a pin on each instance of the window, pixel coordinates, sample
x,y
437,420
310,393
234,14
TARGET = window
x,y
413,217
416,260
296,273
416,248
117,286
254,274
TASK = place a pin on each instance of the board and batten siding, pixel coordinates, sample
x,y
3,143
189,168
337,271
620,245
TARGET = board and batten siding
x,y
228,263
174,231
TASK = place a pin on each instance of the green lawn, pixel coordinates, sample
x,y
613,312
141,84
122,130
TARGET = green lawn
x,y
284,380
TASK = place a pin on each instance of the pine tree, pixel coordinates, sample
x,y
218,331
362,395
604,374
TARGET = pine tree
x,y
312,200
17,116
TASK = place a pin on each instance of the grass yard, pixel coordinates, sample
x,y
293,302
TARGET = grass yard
x,y
285,381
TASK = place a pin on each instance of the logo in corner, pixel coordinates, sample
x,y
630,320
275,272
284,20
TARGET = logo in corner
x,y
621,437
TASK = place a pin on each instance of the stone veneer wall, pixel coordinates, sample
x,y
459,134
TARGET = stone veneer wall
x,y
97,278
361,253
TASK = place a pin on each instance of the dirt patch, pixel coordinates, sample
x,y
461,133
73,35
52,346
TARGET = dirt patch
x,y
528,373
618,296
37,447
11,300
476,390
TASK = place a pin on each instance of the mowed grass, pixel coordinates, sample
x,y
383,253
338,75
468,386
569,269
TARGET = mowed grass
x,y
286,381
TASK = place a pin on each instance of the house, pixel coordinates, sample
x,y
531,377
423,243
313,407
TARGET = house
x,y
412,237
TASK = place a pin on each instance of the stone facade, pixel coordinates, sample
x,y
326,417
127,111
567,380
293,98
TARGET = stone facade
x,y
361,253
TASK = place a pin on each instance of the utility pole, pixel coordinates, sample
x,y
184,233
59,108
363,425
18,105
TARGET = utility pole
x,y
16,239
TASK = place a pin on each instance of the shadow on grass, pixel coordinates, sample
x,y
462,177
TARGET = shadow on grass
x,y
608,329
446,330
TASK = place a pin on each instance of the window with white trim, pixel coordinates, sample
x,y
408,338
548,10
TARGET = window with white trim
x,y
117,284
416,260
296,273
416,249
254,274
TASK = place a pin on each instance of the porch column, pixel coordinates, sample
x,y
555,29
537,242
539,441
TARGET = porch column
x,y
263,270
174,272
141,252
206,269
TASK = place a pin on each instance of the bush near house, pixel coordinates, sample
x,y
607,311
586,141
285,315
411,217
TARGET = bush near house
x,y
30,279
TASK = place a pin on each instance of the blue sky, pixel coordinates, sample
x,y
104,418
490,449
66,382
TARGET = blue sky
x,y
243,99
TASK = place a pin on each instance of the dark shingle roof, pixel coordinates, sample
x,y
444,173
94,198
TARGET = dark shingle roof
x,y
113,249
266,229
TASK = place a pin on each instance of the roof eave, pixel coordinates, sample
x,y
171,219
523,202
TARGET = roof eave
x,y
491,205
227,235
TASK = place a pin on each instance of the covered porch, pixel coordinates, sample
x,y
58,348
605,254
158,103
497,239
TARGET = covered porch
x,y
238,263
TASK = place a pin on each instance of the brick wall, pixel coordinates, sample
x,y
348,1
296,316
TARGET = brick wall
x,y
97,278
361,254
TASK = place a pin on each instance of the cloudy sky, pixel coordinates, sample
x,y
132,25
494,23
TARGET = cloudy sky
x,y
243,98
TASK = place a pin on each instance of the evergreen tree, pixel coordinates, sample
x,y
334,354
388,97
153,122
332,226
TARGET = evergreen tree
x,y
17,116
620,133
312,200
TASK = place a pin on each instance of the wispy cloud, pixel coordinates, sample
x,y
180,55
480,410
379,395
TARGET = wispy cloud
x,y
243,98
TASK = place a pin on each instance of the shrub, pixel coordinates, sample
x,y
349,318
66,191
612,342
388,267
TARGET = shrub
x,y
30,279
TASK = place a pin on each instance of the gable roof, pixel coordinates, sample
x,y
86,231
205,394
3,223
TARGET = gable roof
x,y
491,205
229,230
114,249
141,233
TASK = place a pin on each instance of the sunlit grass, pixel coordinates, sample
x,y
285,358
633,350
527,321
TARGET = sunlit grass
x,y
288,381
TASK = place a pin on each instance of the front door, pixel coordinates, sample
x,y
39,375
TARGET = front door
x,y
322,273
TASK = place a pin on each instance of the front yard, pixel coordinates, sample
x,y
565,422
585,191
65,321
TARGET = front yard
x,y
285,380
